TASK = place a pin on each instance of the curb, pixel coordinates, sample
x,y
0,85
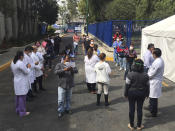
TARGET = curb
x,y
5,66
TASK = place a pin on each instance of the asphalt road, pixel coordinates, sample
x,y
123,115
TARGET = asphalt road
x,y
86,116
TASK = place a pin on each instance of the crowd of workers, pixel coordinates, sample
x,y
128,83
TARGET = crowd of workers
x,y
143,78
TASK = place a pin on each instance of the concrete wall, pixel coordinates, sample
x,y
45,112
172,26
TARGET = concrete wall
x,y
2,27
12,27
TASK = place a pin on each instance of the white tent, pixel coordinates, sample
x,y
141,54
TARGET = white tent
x,y
162,35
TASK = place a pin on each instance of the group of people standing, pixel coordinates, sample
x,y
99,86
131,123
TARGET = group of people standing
x,y
123,56
144,81
143,78
29,68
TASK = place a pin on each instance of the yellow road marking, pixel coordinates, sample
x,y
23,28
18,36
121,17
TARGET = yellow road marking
x,y
109,59
164,84
5,66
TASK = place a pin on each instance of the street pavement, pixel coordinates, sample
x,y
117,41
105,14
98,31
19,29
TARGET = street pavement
x,y
86,116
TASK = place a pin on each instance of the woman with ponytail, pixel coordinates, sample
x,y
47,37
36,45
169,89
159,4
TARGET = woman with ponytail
x,y
21,83
136,90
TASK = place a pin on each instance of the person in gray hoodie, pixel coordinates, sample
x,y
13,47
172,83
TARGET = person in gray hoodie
x,y
103,71
65,73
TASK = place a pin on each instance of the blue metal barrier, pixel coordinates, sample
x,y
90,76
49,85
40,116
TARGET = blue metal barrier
x,y
105,30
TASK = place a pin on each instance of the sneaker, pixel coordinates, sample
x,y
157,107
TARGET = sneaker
x,y
60,115
27,113
140,128
120,69
116,64
131,128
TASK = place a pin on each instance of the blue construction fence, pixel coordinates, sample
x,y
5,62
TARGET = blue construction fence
x,y
130,30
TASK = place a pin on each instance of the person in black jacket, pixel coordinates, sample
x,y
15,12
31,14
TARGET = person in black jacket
x,y
136,90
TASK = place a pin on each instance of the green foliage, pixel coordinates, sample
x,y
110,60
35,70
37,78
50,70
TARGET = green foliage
x,y
72,7
48,12
101,10
120,10
50,30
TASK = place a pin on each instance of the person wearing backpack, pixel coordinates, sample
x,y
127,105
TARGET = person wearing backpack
x,y
122,50
103,71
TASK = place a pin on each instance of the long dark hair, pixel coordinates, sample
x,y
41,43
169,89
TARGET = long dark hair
x,y
18,56
138,66
90,53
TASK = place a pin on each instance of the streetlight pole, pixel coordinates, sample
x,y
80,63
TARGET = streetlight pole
x,y
87,14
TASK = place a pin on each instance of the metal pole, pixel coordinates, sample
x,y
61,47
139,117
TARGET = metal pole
x,y
87,13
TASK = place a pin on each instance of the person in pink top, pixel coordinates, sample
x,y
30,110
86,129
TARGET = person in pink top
x,y
76,40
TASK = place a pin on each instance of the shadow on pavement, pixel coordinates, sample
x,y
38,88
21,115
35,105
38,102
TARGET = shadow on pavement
x,y
166,116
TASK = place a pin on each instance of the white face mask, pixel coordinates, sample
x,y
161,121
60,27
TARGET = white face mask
x,y
30,54
92,42
131,48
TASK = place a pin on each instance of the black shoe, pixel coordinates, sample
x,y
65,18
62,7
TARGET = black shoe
x,y
42,89
106,100
60,115
68,111
150,115
98,99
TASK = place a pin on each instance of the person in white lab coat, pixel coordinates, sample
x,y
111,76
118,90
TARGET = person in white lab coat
x,y
155,74
21,83
90,62
38,68
103,71
28,60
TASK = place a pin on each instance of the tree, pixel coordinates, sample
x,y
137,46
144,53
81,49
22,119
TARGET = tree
x,y
48,12
72,7
120,10
163,9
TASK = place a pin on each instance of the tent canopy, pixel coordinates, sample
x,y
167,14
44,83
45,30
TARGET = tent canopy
x,y
164,28
162,35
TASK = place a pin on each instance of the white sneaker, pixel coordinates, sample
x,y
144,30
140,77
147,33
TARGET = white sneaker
x,y
125,69
120,69
116,64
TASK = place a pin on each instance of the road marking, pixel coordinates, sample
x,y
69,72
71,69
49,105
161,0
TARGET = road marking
x,y
5,66
109,59
164,84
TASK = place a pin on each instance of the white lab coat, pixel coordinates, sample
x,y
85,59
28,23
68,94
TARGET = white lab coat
x,y
90,68
28,60
21,82
156,76
38,71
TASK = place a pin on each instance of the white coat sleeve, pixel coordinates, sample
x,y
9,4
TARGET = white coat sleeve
x,y
23,68
153,70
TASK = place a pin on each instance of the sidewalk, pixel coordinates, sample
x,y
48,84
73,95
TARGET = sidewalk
x,y
7,55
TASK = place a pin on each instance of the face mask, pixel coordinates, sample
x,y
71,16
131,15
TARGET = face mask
x,y
30,54
92,42
131,48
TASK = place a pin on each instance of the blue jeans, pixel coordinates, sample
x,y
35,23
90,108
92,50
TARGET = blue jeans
x,y
116,58
122,62
64,99
128,69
